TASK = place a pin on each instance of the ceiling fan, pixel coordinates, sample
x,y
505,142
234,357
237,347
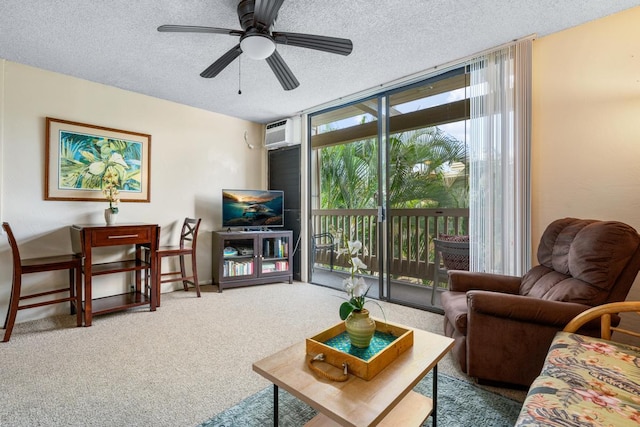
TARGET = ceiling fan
x,y
258,41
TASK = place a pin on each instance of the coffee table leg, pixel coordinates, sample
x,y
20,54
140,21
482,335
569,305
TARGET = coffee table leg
x,y
275,405
434,398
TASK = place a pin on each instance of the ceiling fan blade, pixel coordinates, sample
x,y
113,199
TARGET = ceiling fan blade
x,y
197,29
265,12
282,71
311,41
222,62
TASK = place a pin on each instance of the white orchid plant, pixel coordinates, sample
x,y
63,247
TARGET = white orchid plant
x,y
356,288
110,191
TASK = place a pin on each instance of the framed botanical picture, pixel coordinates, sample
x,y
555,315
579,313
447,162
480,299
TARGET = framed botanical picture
x,y
83,159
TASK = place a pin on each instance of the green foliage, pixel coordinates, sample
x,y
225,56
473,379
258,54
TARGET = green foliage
x,y
419,172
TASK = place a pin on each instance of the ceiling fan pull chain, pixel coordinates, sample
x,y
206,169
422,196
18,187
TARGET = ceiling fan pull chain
x,y
239,80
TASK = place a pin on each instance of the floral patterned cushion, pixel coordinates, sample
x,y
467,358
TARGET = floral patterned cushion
x,y
585,382
453,261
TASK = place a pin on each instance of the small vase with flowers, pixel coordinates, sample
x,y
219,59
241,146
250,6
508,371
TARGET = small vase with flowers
x,y
359,325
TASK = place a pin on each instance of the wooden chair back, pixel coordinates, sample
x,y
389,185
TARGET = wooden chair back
x,y
189,232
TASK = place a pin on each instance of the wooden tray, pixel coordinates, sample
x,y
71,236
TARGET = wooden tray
x,y
365,369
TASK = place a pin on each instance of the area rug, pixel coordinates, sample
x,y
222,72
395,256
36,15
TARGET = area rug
x,y
460,404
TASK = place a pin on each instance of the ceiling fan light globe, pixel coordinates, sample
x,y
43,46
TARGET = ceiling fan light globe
x,y
257,46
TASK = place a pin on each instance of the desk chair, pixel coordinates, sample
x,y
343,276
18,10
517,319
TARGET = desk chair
x,y
188,234
21,266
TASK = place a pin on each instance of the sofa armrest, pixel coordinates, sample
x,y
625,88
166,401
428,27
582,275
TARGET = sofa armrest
x,y
523,308
463,281
607,316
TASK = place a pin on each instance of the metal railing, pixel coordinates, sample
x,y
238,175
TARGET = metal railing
x,y
411,237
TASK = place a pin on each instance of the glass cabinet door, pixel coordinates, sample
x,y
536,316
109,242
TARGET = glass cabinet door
x,y
275,254
238,258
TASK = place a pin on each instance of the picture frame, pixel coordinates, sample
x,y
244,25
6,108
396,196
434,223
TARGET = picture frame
x,y
82,158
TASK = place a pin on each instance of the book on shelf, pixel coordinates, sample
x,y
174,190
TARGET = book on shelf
x,y
280,248
237,268
282,265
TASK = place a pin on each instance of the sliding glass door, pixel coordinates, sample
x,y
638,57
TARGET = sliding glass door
x,y
345,192
427,181
392,172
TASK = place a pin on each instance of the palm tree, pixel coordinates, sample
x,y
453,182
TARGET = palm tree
x,y
419,172
419,163
423,172
349,177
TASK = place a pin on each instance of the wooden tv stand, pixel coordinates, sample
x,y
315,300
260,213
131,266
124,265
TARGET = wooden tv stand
x,y
260,257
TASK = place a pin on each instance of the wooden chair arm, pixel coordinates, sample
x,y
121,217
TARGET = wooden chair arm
x,y
604,312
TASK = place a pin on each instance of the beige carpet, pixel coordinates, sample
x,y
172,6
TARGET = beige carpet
x,y
178,366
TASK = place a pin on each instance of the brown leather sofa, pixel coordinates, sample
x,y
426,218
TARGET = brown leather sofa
x,y
503,325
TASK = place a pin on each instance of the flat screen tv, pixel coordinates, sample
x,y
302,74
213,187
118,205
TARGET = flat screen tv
x,y
252,208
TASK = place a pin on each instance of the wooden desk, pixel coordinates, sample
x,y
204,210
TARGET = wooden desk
x,y
86,237
387,399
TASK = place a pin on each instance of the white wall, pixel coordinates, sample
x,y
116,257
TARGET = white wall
x,y
194,154
586,136
586,131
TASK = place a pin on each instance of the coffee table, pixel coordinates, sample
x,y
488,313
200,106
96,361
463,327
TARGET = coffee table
x,y
386,399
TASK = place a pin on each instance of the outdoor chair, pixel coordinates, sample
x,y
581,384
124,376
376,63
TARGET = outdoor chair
x,y
451,253
323,242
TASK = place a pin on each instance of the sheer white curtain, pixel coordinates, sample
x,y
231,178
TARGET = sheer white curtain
x,y
499,155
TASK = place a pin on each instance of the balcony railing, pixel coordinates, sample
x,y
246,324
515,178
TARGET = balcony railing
x,y
411,237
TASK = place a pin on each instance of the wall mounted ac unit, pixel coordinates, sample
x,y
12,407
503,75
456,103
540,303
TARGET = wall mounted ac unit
x,y
282,133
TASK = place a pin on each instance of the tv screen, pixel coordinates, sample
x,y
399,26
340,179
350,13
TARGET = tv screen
x,y
252,208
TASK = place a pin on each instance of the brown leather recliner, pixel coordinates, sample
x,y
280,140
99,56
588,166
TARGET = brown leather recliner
x,y
503,325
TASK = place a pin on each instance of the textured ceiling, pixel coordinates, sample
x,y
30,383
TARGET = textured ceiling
x,y
116,43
